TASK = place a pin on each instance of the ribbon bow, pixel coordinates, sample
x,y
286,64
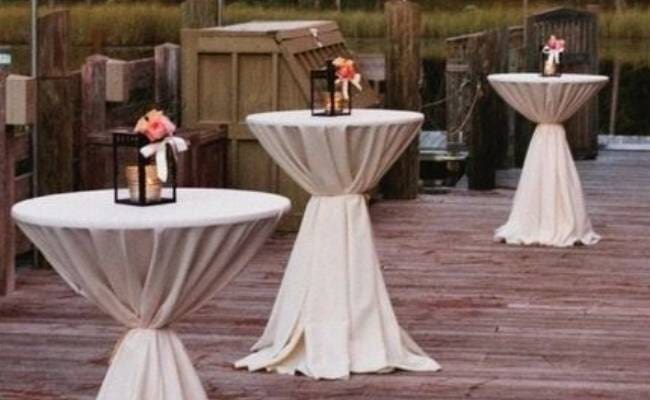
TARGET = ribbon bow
x,y
347,73
178,145
554,47
314,33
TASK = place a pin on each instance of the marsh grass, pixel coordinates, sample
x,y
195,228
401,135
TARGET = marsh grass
x,y
632,23
136,24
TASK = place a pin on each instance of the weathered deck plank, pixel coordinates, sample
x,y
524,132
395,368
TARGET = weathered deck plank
x,y
505,322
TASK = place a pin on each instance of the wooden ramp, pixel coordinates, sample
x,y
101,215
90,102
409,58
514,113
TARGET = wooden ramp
x,y
505,322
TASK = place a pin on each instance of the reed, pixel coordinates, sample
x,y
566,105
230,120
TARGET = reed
x,y
632,23
119,24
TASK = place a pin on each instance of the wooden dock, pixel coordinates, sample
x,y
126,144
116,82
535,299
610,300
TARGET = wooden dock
x,y
505,322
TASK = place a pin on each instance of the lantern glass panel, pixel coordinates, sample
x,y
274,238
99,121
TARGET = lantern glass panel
x,y
135,178
326,95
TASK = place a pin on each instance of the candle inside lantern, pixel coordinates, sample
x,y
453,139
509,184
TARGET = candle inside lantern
x,y
339,101
550,68
153,185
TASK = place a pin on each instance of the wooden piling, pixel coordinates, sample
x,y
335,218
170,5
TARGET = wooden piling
x,y
7,241
53,44
55,109
93,107
476,116
403,68
198,14
167,79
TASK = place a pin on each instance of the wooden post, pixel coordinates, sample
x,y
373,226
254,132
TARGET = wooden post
x,y
55,112
53,44
476,116
488,140
93,106
7,239
199,13
167,78
525,18
403,67
616,74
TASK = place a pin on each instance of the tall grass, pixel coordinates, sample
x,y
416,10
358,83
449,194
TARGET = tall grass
x,y
119,24
632,23
14,24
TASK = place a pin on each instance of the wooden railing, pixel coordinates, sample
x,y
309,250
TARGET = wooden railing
x,y
115,93
17,113
105,95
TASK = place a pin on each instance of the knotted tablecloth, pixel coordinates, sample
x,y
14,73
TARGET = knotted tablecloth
x,y
333,315
148,268
549,207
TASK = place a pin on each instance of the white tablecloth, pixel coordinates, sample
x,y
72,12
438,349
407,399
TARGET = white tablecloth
x,y
333,315
149,267
549,207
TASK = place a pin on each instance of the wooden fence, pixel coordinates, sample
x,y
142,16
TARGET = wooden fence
x,y
495,136
77,113
17,113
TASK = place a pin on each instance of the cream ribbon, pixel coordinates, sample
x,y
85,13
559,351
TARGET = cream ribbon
x,y
553,54
314,33
345,85
177,145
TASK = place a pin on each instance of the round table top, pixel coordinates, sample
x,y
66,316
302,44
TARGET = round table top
x,y
194,208
358,117
538,79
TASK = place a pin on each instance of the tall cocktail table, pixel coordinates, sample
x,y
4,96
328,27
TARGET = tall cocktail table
x,y
148,268
549,207
333,316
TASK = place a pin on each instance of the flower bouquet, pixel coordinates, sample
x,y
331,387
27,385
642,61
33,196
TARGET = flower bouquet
x,y
552,52
346,74
159,131
330,87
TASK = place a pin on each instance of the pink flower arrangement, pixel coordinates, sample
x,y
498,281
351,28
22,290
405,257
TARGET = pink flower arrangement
x,y
345,68
155,125
346,72
555,44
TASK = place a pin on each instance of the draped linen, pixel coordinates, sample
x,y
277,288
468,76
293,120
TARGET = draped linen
x,y
165,262
332,315
548,207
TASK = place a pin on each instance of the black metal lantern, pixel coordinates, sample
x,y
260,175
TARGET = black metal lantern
x,y
327,98
135,178
550,65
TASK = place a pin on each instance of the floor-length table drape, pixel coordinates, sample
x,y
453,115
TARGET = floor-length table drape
x,y
148,268
549,207
332,315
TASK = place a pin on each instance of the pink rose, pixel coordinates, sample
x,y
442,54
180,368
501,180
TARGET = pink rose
x,y
159,128
345,68
555,44
155,126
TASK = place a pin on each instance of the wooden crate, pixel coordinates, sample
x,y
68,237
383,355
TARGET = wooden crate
x,y
203,165
231,72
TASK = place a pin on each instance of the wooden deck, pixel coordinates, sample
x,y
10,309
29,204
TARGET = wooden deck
x,y
505,322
